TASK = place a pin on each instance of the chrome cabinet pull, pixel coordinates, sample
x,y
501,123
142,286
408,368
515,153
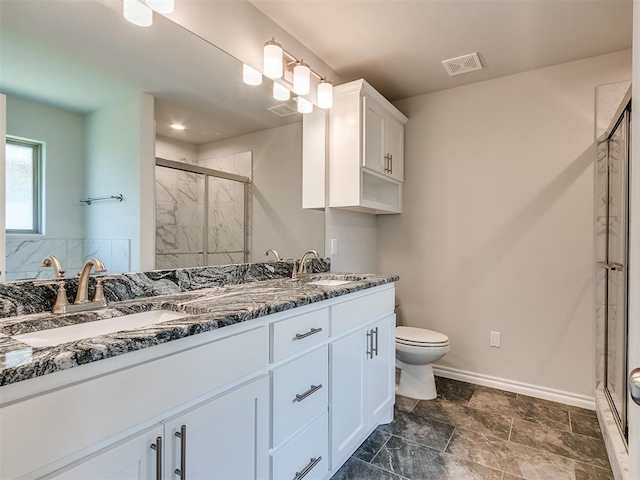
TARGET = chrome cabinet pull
x,y
313,331
312,463
375,349
634,385
158,448
390,163
302,396
370,342
182,435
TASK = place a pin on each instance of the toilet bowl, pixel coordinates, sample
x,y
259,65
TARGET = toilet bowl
x,y
416,350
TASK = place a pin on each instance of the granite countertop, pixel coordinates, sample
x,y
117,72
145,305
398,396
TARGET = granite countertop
x,y
211,308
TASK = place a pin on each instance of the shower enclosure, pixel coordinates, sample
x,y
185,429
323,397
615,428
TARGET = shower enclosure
x,y
202,216
612,261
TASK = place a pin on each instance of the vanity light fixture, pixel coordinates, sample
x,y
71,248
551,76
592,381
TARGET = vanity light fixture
x,y
177,126
161,6
137,13
325,94
304,105
301,78
273,62
280,92
296,76
250,75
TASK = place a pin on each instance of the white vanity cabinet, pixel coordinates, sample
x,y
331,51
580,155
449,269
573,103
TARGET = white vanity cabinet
x,y
285,396
226,438
130,459
362,379
366,150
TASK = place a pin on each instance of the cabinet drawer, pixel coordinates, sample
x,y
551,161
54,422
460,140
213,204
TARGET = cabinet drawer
x,y
300,392
298,333
309,450
350,315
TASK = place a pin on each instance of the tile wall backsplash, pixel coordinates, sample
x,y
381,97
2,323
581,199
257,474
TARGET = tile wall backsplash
x,y
25,255
22,298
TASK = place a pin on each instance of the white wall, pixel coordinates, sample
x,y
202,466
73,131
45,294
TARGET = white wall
x,y
62,132
278,219
120,160
357,236
497,229
176,150
3,125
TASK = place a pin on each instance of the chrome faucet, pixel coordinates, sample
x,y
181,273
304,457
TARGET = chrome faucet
x,y
302,266
52,261
275,254
81,302
83,283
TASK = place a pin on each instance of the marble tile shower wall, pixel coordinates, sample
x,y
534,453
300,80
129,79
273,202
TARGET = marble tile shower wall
x,y
25,255
23,298
180,211
608,98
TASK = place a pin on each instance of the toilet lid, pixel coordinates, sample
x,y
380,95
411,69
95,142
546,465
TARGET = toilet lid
x,y
417,336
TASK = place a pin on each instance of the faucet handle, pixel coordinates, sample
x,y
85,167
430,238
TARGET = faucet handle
x,y
98,296
61,304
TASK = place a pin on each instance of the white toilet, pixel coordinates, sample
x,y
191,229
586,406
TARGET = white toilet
x,y
416,350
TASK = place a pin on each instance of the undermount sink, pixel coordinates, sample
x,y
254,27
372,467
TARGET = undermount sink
x,y
330,283
71,333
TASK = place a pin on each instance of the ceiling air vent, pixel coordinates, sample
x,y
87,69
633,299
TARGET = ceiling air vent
x,y
283,110
463,64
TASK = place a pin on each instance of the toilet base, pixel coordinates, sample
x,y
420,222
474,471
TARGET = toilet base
x,y
416,381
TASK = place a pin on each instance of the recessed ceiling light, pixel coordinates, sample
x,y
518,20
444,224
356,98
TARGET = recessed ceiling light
x,y
177,126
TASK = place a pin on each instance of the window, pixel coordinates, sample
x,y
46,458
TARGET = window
x,y
24,195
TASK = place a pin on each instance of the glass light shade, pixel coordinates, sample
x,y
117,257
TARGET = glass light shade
x,y
280,92
273,60
161,6
251,76
325,94
304,105
301,78
137,13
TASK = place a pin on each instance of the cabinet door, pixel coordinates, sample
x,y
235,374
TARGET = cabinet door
x,y
394,147
226,438
348,408
130,459
373,136
381,369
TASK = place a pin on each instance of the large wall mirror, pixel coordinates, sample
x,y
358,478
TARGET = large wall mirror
x,y
91,100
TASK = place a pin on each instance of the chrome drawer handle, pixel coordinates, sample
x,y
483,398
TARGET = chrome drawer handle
x,y
312,463
182,435
313,331
302,396
158,448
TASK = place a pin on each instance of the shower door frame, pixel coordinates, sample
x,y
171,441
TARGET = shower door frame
x,y
210,172
621,417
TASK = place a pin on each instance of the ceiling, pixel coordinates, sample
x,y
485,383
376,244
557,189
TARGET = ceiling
x,y
81,56
397,45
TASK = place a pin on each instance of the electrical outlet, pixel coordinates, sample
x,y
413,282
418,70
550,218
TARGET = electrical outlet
x,y
495,339
334,246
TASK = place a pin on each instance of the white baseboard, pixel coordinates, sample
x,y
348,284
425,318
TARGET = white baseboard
x,y
545,393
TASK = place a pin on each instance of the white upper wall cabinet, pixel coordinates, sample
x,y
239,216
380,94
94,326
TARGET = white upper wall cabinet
x,y
366,150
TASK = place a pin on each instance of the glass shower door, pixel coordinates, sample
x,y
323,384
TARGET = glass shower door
x,y
616,271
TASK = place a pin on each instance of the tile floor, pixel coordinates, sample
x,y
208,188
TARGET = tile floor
x,y
474,432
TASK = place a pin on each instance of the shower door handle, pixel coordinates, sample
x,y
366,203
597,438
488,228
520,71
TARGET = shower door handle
x,y
634,385
613,266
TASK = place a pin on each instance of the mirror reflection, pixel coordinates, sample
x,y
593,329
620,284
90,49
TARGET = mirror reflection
x,y
90,110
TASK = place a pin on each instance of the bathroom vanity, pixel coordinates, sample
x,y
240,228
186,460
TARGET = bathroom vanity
x,y
276,379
